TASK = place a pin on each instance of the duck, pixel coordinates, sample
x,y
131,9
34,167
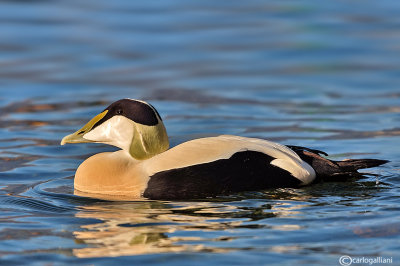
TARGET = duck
x,y
145,167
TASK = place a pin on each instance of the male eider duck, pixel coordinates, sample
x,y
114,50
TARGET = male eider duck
x,y
145,167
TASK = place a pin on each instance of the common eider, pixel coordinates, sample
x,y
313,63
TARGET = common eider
x,y
145,167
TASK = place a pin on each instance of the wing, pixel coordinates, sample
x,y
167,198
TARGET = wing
x,y
243,171
230,161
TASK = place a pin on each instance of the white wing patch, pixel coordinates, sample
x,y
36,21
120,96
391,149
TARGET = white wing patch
x,y
305,172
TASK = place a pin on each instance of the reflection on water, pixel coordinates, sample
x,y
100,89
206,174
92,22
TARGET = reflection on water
x,y
133,228
390,229
122,230
130,229
223,225
303,73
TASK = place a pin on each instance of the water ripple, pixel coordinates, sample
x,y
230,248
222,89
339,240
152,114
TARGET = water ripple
x,y
34,205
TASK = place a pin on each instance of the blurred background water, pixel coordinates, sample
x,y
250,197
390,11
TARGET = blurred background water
x,y
320,74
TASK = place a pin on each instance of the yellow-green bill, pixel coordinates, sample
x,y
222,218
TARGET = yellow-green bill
x,y
77,137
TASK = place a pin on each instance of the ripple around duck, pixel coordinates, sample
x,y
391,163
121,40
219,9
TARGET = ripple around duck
x,y
34,205
61,191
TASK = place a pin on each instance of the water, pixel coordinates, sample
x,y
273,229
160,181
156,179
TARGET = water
x,y
322,75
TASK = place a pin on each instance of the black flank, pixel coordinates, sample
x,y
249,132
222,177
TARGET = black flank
x,y
244,171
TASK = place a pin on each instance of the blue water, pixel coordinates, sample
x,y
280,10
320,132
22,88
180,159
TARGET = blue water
x,y
320,74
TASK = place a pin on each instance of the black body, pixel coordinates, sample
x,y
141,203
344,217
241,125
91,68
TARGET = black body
x,y
247,170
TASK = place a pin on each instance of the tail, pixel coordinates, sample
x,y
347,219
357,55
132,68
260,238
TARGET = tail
x,y
354,165
334,170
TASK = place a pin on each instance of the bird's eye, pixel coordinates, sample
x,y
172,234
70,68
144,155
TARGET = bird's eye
x,y
119,111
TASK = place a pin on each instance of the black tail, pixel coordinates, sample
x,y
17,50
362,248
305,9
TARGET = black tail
x,y
334,170
354,165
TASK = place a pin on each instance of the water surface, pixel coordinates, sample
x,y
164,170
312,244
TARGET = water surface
x,y
322,75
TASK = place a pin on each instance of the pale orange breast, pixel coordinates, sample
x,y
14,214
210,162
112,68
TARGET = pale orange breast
x,y
111,173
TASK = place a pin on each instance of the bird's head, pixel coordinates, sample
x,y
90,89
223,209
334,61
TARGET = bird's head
x,y
132,125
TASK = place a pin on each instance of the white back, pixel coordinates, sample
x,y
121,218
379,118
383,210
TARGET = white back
x,y
207,150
